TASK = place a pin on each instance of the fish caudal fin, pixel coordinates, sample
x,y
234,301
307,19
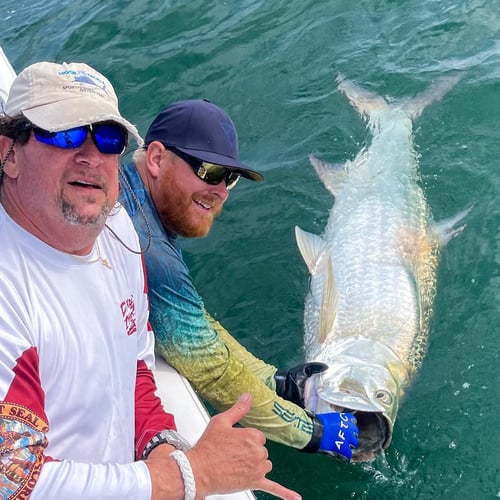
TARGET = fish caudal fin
x,y
367,102
434,93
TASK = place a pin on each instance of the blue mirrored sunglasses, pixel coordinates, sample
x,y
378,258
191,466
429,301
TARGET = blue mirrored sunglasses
x,y
109,138
211,173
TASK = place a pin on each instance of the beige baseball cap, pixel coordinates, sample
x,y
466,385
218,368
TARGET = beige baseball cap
x,y
58,97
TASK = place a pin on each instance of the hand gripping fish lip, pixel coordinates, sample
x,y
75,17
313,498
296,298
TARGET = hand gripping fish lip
x,y
371,394
369,391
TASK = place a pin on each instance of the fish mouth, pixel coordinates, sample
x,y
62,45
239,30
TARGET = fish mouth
x,y
365,378
368,388
375,434
374,422
375,428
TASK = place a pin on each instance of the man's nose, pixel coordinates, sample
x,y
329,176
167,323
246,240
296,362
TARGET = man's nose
x,y
89,153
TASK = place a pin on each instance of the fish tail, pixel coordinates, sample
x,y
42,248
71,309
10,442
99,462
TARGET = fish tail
x,y
367,102
433,93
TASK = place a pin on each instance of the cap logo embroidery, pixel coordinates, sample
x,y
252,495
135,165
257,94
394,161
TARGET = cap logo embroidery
x,y
79,80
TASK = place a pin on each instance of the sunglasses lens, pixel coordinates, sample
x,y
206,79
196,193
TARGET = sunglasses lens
x,y
110,138
211,173
66,139
214,174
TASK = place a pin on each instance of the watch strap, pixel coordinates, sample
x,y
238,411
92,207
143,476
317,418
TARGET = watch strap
x,y
165,437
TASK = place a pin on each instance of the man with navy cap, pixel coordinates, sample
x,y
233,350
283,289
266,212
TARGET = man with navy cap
x,y
176,186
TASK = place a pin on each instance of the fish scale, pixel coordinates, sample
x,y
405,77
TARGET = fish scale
x,y
373,272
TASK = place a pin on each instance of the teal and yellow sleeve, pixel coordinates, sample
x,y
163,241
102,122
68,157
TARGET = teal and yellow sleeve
x,y
220,369
281,420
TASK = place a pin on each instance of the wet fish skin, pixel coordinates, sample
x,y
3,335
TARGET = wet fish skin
x,y
373,271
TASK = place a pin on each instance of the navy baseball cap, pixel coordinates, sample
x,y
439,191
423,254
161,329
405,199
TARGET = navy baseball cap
x,y
201,129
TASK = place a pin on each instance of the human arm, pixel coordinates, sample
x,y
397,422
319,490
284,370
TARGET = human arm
x,y
186,338
29,467
238,460
289,383
218,366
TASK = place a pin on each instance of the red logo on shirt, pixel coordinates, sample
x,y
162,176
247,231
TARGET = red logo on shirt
x,y
128,311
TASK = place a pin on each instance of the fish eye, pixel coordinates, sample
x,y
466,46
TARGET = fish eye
x,y
384,397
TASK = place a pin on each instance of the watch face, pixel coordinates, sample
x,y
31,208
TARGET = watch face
x,y
175,439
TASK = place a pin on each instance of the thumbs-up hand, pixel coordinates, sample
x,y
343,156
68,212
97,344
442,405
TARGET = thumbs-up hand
x,y
229,459
224,460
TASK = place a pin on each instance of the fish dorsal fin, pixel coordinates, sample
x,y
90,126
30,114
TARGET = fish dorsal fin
x,y
329,304
333,175
311,246
312,249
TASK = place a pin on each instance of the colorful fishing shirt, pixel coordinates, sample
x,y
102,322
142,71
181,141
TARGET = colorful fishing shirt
x,y
216,364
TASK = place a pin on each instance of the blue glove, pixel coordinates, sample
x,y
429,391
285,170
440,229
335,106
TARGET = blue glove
x,y
340,434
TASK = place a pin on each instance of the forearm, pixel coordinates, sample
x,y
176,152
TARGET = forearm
x,y
81,481
264,371
219,371
150,418
220,379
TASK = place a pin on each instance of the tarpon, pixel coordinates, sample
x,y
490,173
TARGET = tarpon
x,y
373,271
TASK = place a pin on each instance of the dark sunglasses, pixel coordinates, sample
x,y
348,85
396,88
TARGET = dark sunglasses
x,y
211,173
109,138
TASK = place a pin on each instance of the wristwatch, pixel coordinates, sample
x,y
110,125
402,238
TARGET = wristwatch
x,y
167,436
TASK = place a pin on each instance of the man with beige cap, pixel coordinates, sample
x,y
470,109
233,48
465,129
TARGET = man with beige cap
x,y
79,417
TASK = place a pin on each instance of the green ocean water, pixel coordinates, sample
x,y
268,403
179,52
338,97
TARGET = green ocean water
x,y
272,66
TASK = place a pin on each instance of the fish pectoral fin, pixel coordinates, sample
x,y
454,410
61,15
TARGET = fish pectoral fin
x,y
446,228
329,304
311,246
333,175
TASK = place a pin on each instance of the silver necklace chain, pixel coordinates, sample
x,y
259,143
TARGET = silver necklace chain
x,y
139,206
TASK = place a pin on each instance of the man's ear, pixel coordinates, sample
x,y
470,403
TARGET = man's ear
x,y
154,156
8,157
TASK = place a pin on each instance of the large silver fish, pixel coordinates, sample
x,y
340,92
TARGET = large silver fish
x,y
373,271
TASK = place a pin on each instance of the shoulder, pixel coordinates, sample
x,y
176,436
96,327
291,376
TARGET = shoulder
x,y
132,191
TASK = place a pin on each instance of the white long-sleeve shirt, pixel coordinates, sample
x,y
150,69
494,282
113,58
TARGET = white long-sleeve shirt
x,y
76,354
